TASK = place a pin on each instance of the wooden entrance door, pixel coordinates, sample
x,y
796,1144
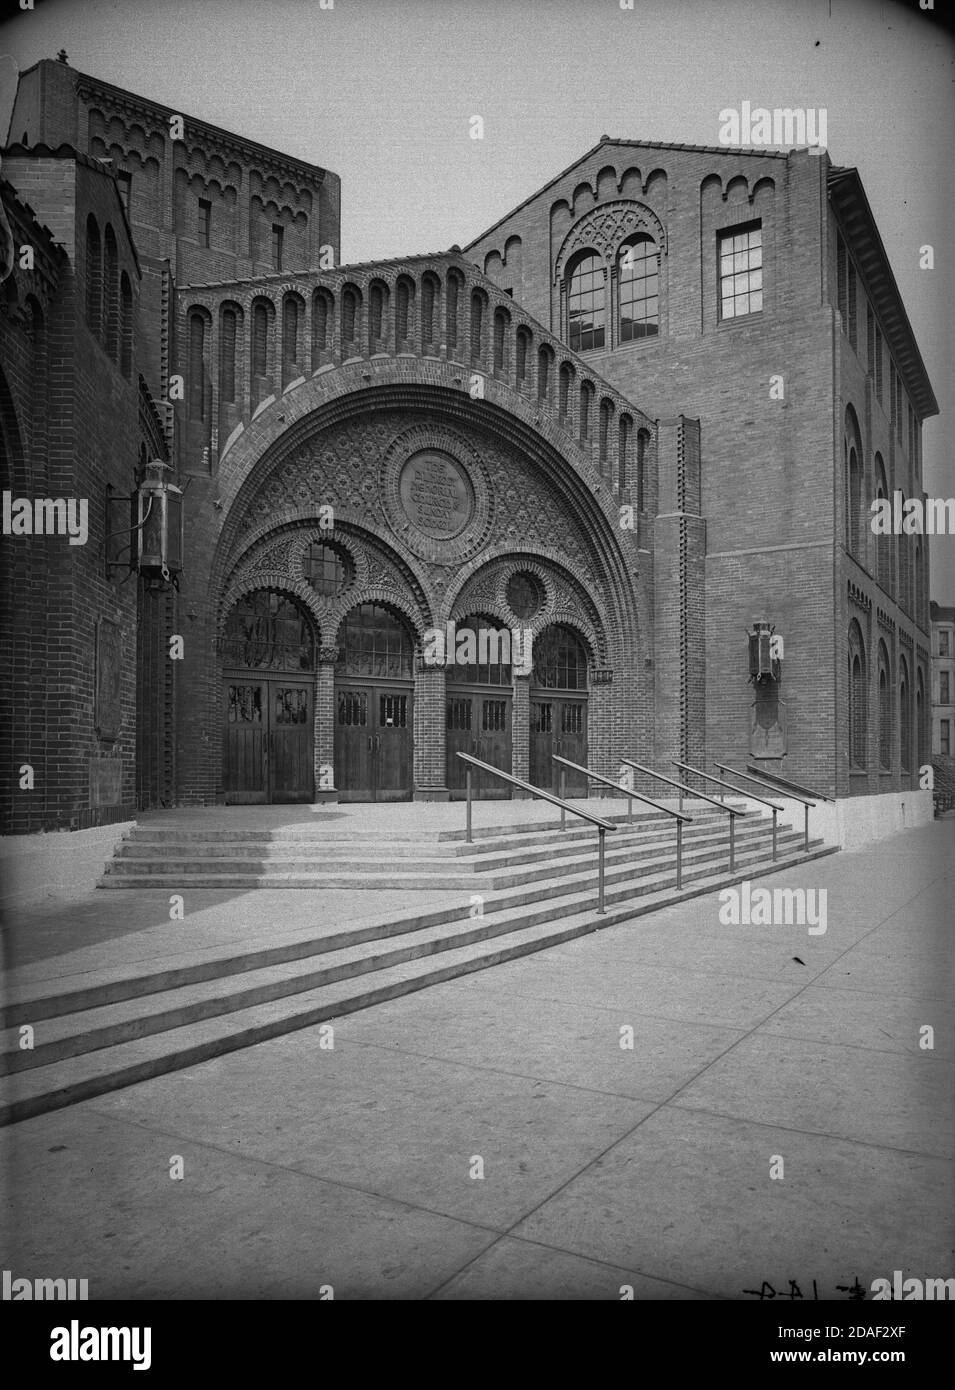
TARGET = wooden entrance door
x,y
374,742
479,723
558,725
268,739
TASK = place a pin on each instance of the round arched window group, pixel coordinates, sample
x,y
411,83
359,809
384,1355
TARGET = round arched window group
x,y
638,296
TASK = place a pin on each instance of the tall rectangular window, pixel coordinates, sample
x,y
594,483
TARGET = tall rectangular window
x,y
278,236
205,222
943,643
945,734
944,688
741,271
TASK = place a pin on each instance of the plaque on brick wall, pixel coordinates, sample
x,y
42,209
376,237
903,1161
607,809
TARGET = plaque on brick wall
x,y
436,494
109,679
106,781
767,728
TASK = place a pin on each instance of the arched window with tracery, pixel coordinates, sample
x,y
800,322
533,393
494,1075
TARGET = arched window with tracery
x,y
858,712
586,302
638,281
268,631
560,659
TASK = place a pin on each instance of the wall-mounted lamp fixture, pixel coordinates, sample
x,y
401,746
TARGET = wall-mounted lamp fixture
x,y
765,653
153,547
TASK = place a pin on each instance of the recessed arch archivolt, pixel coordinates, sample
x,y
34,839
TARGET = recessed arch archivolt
x,y
276,558
484,590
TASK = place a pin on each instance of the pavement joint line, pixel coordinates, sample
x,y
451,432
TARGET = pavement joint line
x,y
257,1160
671,1100
577,1255
809,1133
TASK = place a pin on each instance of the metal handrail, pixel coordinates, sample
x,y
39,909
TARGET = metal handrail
x,y
708,776
785,784
731,811
720,783
761,782
602,825
629,793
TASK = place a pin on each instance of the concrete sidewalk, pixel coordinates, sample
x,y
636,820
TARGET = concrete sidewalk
x,y
604,1167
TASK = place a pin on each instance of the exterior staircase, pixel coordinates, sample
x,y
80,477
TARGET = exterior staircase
x,y
530,885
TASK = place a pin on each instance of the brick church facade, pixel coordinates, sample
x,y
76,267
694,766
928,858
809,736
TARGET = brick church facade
x,y
640,416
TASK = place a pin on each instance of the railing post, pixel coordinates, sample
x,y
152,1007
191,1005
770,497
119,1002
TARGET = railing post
x,y
630,810
775,814
468,782
679,854
732,843
806,810
563,797
600,869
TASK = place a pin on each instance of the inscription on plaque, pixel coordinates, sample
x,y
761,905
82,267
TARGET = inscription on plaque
x,y
436,495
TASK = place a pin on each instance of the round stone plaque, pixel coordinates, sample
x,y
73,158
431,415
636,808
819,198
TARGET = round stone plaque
x,y
436,494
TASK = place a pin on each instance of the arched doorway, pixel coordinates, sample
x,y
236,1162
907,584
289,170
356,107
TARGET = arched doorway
x,y
374,694
479,706
268,664
558,709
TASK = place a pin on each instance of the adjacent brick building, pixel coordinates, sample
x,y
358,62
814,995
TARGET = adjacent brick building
x,y
641,416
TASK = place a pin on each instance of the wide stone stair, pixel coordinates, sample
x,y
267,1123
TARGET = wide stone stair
x,y
528,886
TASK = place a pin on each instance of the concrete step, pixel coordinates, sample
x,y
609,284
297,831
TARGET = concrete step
x,y
193,1022
304,874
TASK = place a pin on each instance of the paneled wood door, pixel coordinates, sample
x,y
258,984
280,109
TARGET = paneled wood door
x,y
558,725
374,742
479,723
268,739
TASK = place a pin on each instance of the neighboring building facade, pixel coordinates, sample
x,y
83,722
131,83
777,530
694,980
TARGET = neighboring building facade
x,y
644,412
943,681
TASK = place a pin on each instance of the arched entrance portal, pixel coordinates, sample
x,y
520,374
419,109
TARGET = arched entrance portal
x,y
268,665
558,709
479,706
374,694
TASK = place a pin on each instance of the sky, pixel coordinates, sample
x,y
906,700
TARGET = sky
x,y
382,92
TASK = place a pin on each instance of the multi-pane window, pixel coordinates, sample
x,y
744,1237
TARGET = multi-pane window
x,y
374,644
560,662
944,688
278,237
327,570
943,643
945,733
586,309
741,272
267,631
639,281
205,222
